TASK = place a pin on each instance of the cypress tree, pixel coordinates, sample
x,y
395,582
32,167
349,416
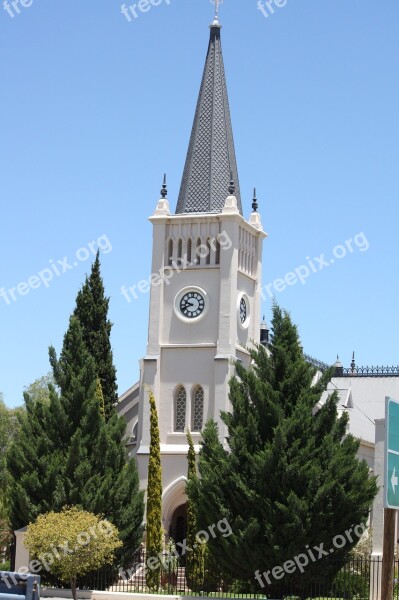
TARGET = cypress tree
x,y
290,480
154,531
67,454
92,312
195,551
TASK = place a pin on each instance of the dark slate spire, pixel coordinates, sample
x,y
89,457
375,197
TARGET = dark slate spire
x,y
211,157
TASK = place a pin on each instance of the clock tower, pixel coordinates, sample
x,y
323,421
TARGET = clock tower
x,y
205,301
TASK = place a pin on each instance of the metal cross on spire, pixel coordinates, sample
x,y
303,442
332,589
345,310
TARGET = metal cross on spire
x,y
217,4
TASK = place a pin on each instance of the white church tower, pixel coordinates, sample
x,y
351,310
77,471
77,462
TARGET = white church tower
x,y
205,302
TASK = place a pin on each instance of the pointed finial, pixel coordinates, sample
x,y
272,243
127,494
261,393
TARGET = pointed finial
x,y
217,4
232,187
353,363
215,22
164,191
255,202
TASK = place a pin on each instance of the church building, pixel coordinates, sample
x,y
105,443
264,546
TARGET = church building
x,y
205,300
205,312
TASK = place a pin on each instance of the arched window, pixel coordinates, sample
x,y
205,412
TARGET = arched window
x,y
217,256
198,409
189,250
179,251
180,409
169,258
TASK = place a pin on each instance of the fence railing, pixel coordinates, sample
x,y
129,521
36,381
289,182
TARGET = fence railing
x,y
371,372
356,579
376,371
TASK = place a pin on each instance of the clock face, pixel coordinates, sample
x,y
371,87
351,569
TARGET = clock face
x,y
243,310
192,304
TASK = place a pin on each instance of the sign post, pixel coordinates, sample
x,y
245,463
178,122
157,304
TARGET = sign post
x,y
391,494
392,455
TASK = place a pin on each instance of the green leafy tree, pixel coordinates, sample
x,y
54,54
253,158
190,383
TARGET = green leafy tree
x,y
154,530
9,430
5,532
39,390
3,510
68,455
91,542
92,311
291,476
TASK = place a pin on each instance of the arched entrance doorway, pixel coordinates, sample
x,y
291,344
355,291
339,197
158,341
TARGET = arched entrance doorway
x,y
174,497
178,525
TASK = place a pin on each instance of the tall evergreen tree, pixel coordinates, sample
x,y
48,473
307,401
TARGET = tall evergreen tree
x,y
68,455
195,558
34,465
191,475
154,531
92,312
290,479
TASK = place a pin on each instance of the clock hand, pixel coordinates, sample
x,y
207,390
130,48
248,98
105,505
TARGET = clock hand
x,y
187,304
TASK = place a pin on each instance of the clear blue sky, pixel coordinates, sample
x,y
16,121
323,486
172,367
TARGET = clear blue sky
x,y
96,108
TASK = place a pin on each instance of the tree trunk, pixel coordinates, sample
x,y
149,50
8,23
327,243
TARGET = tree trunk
x,y
73,588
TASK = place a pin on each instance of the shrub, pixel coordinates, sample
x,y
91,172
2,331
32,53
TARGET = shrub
x,y
350,585
72,543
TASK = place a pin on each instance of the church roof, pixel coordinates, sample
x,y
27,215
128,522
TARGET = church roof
x,y
211,161
364,399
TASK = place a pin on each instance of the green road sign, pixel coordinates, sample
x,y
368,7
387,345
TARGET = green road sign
x,y
392,454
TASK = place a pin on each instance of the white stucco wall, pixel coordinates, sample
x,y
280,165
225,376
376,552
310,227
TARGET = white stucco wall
x,y
21,551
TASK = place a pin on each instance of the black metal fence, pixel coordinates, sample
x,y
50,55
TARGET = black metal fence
x,y
357,579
